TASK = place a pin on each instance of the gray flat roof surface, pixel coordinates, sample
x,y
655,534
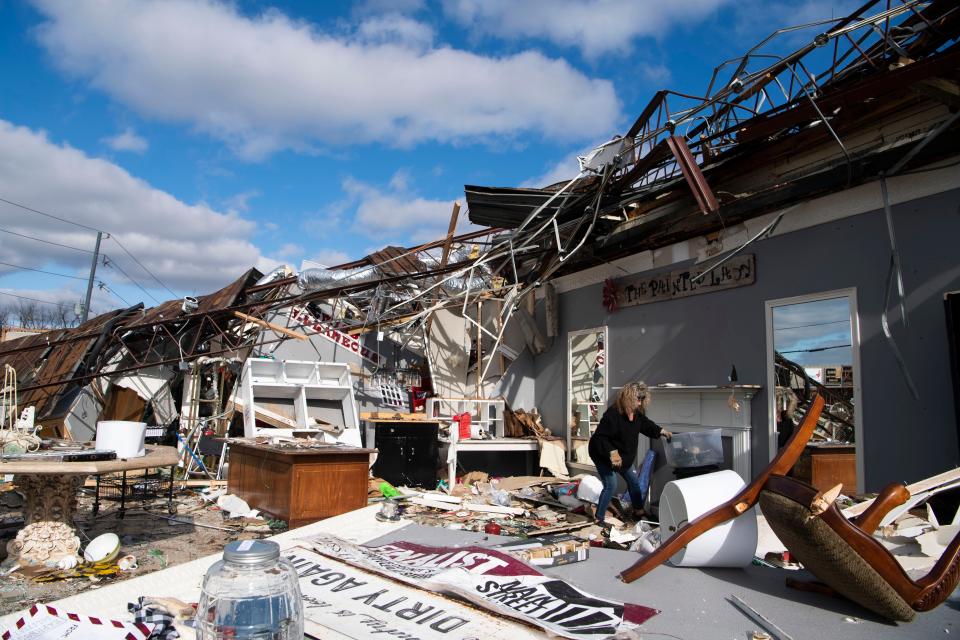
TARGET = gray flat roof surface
x,y
694,602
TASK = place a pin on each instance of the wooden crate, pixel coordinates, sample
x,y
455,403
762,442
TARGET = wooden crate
x,y
299,486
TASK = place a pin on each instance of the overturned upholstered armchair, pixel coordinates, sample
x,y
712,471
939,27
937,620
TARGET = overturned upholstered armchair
x,y
842,554
845,556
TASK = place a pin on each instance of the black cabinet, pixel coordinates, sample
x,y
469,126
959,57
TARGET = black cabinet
x,y
408,453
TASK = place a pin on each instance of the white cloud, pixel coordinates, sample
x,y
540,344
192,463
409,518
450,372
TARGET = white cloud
x,y
268,82
330,257
393,28
751,20
563,171
384,6
394,214
594,26
289,250
127,140
240,202
189,247
655,73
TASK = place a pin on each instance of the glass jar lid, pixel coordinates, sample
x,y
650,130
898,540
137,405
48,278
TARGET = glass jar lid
x,y
251,551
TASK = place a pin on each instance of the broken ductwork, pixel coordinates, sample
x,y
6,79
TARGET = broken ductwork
x,y
316,279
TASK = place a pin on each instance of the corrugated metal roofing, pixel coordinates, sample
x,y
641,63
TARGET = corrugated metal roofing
x,y
393,262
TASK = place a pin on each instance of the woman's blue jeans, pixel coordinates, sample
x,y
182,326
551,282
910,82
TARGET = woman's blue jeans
x,y
608,475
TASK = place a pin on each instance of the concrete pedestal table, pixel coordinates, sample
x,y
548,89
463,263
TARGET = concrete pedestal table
x,y
50,488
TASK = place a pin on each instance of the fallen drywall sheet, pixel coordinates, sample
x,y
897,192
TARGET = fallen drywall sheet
x,y
449,355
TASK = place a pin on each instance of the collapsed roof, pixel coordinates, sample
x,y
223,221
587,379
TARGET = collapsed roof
x,y
870,94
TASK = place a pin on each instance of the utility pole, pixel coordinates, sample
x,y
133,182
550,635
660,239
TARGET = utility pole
x,y
93,272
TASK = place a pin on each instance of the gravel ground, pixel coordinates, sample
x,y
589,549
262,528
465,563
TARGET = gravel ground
x,y
154,541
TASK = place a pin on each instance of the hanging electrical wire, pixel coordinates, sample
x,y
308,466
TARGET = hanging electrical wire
x,y
50,215
108,262
49,273
103,287
83,226
132,257
13,295
56,244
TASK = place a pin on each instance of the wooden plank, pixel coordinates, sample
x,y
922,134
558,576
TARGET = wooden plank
x,y
445,254
273,327
396,416
265,416
123,404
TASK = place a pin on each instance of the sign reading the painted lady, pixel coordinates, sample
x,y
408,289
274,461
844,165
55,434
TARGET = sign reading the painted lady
x,y
739,271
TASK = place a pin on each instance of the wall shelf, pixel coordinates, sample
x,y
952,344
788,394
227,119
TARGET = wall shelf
x,y
312,390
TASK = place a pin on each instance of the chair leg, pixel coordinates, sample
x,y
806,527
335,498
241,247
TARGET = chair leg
x,y
170,507
123,496
96,499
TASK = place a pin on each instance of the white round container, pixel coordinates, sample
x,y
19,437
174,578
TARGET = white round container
x,y
731,544
123,436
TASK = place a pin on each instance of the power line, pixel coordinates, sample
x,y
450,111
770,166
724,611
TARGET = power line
x,y
117,240
50,215
103,286
110,263
13,295
836,346
100,283
49,273
56,244
816,324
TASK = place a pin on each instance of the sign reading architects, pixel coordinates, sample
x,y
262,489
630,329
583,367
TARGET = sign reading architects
x,y
736,272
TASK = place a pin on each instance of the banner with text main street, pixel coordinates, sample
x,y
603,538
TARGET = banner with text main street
x,y
736,272
495,581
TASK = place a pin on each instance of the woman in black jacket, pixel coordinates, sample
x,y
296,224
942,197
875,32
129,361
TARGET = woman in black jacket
x,y
613,446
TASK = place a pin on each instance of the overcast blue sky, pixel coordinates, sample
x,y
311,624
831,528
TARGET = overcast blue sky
x,y
208,137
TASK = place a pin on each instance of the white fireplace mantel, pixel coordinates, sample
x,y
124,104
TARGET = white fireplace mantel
x,y
694,408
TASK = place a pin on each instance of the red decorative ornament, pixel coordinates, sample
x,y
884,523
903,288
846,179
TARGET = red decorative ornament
x,y
610,295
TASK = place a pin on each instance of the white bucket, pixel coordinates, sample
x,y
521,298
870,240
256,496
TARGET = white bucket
x,y
122,436
731,544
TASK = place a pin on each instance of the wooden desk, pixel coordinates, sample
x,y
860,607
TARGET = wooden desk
x,y
826,466
299,486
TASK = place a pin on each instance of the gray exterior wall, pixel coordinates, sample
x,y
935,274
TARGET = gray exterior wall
x,y
695,340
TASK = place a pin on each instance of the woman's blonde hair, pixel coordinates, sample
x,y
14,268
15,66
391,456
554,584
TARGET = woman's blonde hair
x,y
628,397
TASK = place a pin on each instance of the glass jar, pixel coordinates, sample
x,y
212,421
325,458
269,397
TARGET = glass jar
x,y
252,593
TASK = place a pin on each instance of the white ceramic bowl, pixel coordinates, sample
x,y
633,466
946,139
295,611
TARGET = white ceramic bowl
x,y
103,548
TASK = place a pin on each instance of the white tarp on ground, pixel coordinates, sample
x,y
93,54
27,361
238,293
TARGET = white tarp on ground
x,y
493,580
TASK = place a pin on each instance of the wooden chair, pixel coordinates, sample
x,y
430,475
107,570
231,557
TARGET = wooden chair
x,y
845,555
743,501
